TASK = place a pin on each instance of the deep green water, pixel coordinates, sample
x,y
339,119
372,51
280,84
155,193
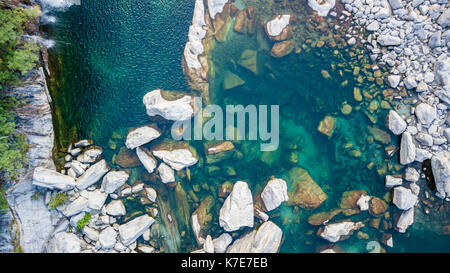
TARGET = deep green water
x,y
109,54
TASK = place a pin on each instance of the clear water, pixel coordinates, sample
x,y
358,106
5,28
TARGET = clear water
x,y
109,54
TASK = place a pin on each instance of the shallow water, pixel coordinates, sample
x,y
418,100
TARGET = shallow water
x,y
109,54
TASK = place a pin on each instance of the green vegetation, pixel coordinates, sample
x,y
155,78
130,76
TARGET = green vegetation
x,y
57,200
83,222
17,57
3,202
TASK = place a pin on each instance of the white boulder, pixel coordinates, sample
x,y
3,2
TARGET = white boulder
x,y
176,110
116,208
177,159
237,210
321,6
141,136
265,239
274,193
396,123
440,165
52,180
407,149
130,231
146,159
404,198
92,175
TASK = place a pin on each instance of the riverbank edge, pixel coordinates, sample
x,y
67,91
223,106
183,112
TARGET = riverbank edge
x,y
29,221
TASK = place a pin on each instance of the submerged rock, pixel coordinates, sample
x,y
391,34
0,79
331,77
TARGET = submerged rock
x,y
93,175
53,180
231,81
327,125
322,218
237,210
201,219
130,231
339,231
440,165
265,239
141,136
176,110
377,207
306,192
282,49
274,194
112,181
349,201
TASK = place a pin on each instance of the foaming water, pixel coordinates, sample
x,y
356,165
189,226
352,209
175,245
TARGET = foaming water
x,y
59,4
47,43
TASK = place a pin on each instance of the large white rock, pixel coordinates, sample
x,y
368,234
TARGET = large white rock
x,y
215,7
166,173
116,208
146,159
53,180
274,193
130,231
92,175
237,210
321,6
141,136
265,239
334,232
91,233
404,198
277,25
442,70
177,159
151,194
96,199
222,242
392,181
114,180
108,238
176,110
394,80
196,34
78,205
89,156
396,123
425,113
407,149
440,165
405,220
64,242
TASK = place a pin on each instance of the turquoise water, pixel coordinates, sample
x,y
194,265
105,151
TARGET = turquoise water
x,y
109,54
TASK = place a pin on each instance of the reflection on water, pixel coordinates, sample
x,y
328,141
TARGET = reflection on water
x,y
112,52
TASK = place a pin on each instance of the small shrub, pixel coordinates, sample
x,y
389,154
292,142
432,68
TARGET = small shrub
x,y
3,202
57,200
83,222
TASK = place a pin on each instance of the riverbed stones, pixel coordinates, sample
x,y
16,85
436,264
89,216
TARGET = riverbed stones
x,y
265,239
222,242
425,113
403,198
407,149
405,220
64,242
131,230
440,165
116,208
282,49
278,28
321,7
396,123
75,207
166,173
175,110
274,194
392,181
113,180
377,207
92,175
237,210
146,159
177,159
108,238
306,192
50,179
336,232
140,136
326,126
